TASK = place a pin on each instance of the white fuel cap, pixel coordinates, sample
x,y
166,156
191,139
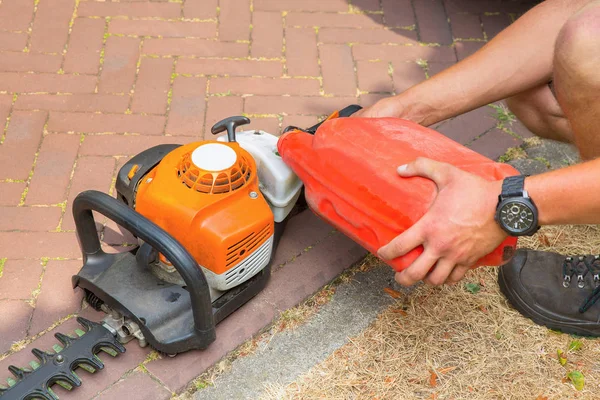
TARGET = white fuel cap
x,y
214,157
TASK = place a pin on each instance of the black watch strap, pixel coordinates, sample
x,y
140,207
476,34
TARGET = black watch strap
x,y
513,186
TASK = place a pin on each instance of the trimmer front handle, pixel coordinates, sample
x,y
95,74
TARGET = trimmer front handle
x,y
156,237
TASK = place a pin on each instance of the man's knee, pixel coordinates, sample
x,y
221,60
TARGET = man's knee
x,y
578,44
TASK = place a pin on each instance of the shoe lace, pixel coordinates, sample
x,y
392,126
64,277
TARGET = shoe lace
x,y
593,266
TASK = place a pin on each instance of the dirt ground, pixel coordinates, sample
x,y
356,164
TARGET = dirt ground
x,y
461,342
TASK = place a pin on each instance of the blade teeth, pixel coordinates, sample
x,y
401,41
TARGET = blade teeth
x,y
19,373
64,339
82,356
86,323
41,355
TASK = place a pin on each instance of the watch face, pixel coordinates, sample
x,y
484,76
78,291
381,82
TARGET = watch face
x,y
517,216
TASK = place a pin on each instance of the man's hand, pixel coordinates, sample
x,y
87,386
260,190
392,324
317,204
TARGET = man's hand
x,y
457,230
386,107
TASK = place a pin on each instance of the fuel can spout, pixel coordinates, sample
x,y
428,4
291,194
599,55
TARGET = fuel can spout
x,y
348,168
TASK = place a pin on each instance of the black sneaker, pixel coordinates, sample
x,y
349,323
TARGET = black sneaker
x,y
553,290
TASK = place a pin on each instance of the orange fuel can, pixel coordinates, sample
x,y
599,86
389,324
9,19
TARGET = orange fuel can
x,y
349,168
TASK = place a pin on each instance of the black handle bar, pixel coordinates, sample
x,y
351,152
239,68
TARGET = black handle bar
x,y
149,232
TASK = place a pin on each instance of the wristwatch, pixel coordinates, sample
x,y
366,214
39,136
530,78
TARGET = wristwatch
x,y
516,213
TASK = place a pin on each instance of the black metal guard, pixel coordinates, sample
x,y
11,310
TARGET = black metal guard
x,y
156,237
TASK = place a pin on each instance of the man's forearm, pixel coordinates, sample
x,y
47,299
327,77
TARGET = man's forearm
x,y
517,59
568,195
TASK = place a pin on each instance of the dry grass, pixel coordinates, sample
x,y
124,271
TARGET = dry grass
x,y
449,343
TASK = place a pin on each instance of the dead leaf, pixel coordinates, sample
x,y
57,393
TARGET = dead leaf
x,y
483,309
400,311
393,293
433,379
433,396
540,397
544,239
389,379
482,282
444,371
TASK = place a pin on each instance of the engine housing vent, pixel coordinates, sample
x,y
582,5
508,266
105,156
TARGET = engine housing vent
x,y
211,182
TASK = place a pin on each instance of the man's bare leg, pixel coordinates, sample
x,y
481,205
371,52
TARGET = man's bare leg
x,y
577,77
577,87
540,112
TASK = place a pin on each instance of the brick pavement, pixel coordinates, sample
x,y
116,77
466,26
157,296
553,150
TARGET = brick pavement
x,y
86,84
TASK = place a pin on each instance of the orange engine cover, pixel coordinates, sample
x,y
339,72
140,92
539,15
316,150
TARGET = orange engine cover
x,y
349,171
219,215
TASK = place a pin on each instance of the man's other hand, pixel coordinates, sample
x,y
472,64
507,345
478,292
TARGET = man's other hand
x,y
457,230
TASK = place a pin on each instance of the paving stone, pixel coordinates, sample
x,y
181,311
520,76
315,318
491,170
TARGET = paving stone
x,y
93,102
494,24
29,218
22,140
16,15
265,86
15,320
494,143
210,66
90,173
432,22
465,49
292,5
13,41
52,173
234,20
267,34
466,26
295,104
406,74
134,9
152,86
25,62
136,386
105,123
120,64
337,69
57,298
311,19
301,52
50,28
352,35
10,193
83,54
35,83
191,29
466,127
19,245
125,145
374,76
194,47
398,12
19,279
200,9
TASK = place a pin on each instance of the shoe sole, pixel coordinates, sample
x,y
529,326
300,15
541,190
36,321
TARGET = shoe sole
x,y
521,306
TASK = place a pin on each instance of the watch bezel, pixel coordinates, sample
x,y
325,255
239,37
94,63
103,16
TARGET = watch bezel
x,y
526,202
